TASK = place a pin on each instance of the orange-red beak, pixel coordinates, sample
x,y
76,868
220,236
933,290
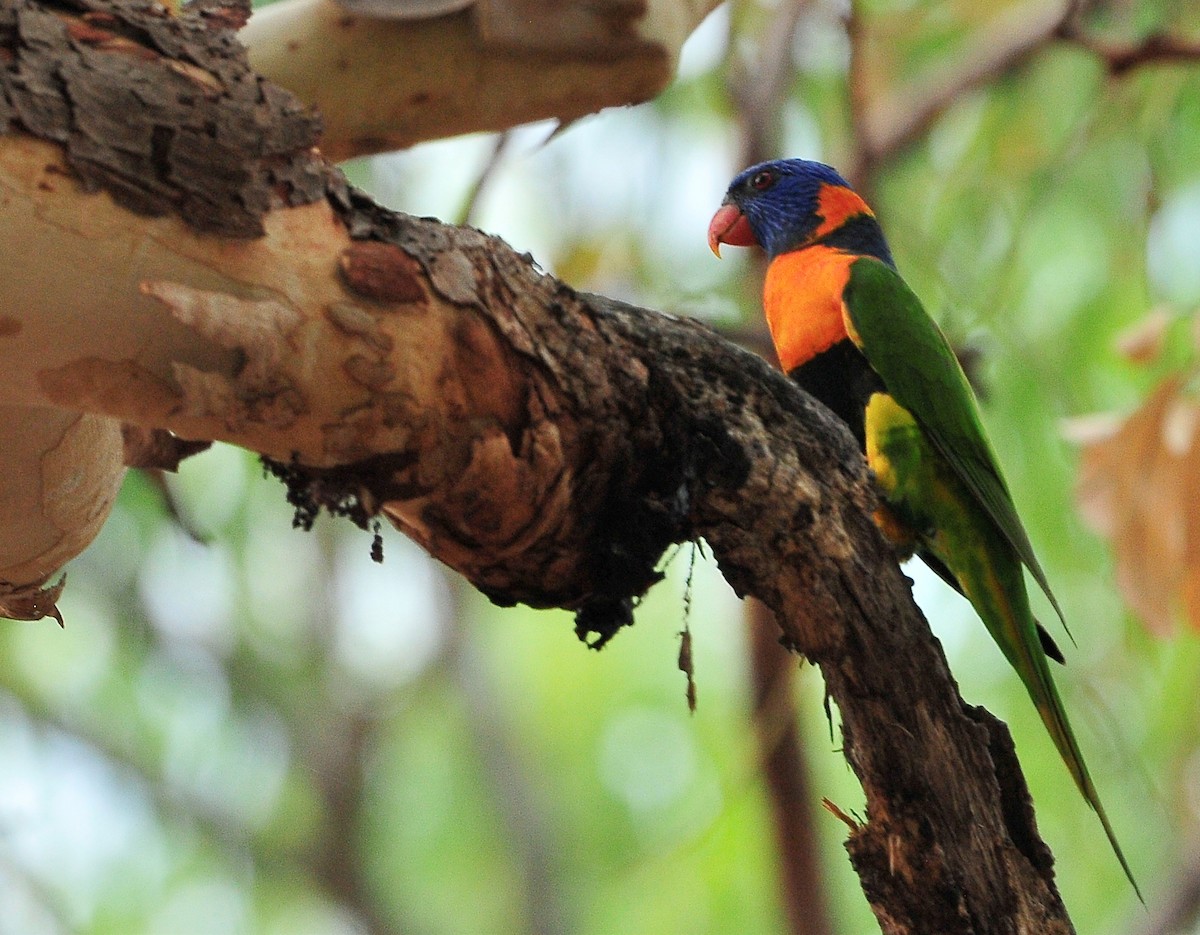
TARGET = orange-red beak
x,y
729,226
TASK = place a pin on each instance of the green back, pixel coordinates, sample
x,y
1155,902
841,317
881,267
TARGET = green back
x,y
918,367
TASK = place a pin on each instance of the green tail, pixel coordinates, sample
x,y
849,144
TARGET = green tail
x,y
926,493
998,594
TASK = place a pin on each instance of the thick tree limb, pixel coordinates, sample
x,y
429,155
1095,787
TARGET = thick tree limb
x,y
385,82
548,445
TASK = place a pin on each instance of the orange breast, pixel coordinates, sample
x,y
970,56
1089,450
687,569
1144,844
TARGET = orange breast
x,y
802,297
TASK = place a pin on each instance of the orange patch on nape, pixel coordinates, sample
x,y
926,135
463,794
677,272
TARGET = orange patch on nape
x,y
802,298
836,204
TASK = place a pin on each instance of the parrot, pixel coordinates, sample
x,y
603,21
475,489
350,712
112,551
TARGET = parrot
x,y
849,330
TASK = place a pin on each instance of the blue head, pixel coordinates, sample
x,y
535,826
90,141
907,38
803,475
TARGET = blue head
x,y
790,203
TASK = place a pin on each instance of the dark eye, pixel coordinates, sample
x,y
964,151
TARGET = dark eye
x,y
763,180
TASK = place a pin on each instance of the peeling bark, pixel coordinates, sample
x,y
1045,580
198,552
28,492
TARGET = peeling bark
x,y
159,111
549,445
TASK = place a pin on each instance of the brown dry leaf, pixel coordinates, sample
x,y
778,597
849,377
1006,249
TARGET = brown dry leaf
x,y
1139,487
1142,342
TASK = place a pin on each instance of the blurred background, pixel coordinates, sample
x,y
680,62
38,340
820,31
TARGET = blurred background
x,y
246,728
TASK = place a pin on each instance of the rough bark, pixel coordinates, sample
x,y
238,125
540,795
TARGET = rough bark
x,y
549,445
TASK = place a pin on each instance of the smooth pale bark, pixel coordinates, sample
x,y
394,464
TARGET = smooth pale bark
x,y
208,337
382,84
61,472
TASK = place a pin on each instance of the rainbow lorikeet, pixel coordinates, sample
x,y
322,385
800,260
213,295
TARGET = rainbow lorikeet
x,y
850,331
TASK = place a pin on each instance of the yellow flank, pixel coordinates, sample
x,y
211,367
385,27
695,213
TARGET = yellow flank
x,y
890,429
883,413
890,432
802,297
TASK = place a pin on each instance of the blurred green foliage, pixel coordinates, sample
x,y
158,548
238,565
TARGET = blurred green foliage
x,y
269,733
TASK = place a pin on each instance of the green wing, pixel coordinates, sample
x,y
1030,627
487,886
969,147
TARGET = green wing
x,y
918,367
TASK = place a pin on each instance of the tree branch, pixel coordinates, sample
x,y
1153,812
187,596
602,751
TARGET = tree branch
x,y
549,445
405,77
887,123
1120,58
